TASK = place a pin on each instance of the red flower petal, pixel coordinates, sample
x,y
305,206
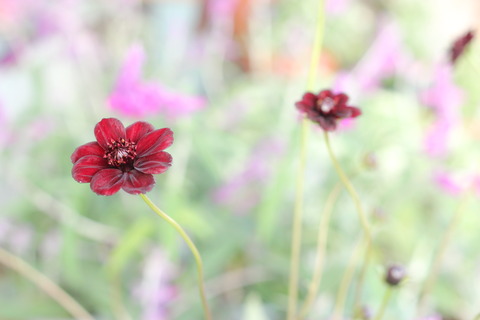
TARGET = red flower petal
x,y
355,112
86,167
309,99
154,142
342,112
138,130
107,181
91,148
327,123
154,164
341,99
137,182
107,130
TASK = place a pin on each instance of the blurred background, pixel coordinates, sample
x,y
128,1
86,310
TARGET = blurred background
x,y
224,75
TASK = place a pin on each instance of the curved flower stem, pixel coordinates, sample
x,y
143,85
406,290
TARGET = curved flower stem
x,y
321,245
383,306
48,286
346,280
436,262
193,249
298,209
351,190
361,215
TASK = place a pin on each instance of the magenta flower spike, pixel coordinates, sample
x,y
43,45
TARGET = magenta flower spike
x,y
132,96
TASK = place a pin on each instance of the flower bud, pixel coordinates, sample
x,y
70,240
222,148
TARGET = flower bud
x,y
395,274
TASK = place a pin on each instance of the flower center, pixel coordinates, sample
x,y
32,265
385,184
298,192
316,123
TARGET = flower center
x,y
121,153
326,104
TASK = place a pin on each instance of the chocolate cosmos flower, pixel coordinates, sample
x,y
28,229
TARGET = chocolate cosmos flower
x,y
326,108
122,157
459,46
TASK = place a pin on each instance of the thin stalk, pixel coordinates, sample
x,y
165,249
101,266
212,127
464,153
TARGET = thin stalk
x,y
193,249
45,284
320,254
437,259
298,208
383,306
361,215
351,190
346,281
297,228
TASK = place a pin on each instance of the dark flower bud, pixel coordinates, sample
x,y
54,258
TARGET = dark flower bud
x,y
370,161
395,274
458,47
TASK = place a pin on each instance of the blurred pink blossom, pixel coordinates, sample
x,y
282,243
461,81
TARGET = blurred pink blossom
x,y
134,97
241,192
445,99
384,58
336,6
156,290
457,183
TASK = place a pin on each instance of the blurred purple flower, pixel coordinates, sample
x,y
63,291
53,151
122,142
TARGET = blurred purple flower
x,y
15,235
241,191
134,97
336,6
457,183
385,56
445,99
445,181
156,290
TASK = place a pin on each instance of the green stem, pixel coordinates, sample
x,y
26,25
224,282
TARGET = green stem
x,y
383,306
346,280
321,245
361,215
193,249
298,209
436,262
361,276
45,284
317,46
297,228
351,190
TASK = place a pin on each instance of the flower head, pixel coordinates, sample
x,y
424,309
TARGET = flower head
x,y
122,158
326,108
458,47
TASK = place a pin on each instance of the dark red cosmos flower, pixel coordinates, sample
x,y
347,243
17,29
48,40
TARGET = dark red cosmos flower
x,y
122,157
459,46
326,108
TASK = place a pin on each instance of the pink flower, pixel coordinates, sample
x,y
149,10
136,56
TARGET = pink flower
x,y
457,183
156,290
241,191
383,58
134,97
445,98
